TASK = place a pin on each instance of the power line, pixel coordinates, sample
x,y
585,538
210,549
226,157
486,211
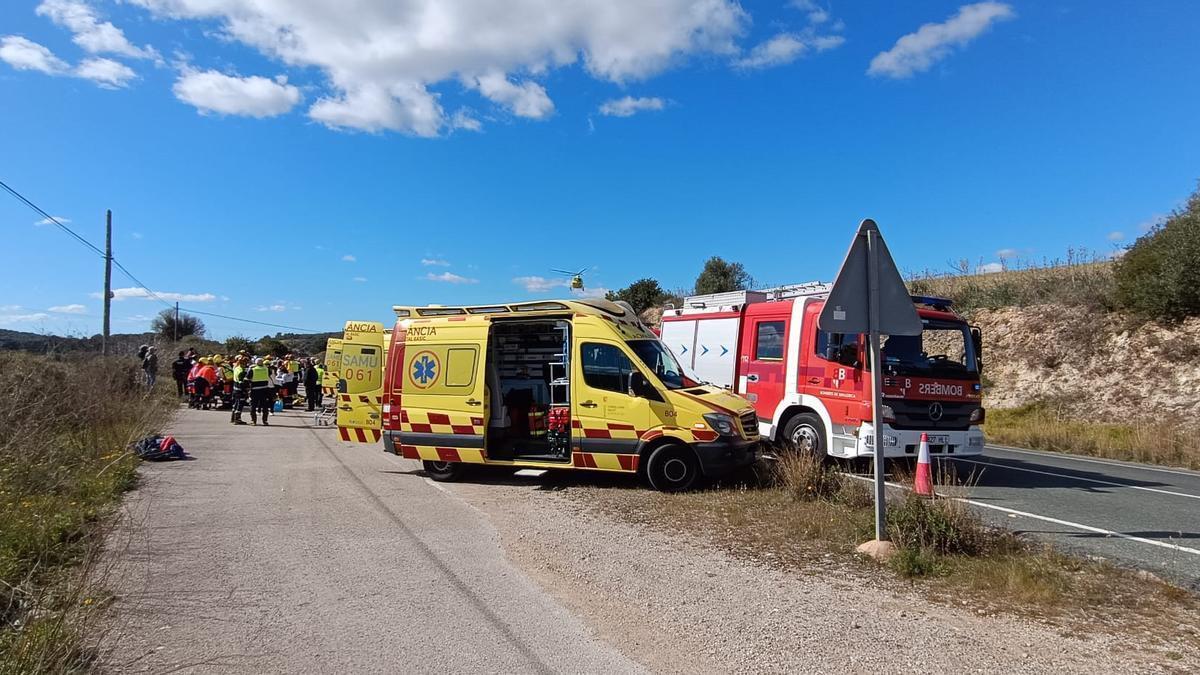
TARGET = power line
x,y
129,274
261,323
51,218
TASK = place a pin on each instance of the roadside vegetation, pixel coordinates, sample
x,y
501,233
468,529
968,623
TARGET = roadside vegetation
x,y
65,424
1039,426
805,515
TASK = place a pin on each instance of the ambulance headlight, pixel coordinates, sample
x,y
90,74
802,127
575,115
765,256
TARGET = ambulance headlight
x,y
722,424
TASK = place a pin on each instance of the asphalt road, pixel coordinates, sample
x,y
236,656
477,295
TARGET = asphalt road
x,y
282,550
1131,514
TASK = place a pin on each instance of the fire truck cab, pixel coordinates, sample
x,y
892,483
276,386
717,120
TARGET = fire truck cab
x,y
813,388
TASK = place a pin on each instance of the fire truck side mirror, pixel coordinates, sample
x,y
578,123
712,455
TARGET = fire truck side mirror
x,y
977,342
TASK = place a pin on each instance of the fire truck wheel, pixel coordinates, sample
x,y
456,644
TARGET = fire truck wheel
x,y
805,433
442,471
673,468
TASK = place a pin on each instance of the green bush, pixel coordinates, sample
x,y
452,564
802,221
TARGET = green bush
x,y
1158,277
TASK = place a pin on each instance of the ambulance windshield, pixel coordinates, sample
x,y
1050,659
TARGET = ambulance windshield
x,y
944,349
655,356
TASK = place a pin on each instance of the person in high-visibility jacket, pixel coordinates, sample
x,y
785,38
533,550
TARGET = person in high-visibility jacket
x,y
261,394
241,389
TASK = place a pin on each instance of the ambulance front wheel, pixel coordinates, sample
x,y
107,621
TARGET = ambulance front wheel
x,y
443,471
673,468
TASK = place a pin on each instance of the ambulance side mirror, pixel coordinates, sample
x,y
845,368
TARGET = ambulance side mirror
x,y
640,387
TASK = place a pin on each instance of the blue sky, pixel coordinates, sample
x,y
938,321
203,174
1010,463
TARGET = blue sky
x,y
308,162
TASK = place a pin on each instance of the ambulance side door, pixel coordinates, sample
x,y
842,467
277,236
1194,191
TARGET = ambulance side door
x,y
607,418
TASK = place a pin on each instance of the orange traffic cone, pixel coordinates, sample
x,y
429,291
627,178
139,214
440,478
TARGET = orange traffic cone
x,y
923,482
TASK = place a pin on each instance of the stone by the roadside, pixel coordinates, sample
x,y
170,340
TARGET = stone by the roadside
x,y
877,550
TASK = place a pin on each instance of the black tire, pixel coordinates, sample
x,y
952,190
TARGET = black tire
x,y
673,468
805,433
443,472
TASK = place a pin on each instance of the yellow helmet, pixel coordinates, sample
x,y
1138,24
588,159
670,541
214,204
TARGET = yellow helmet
x,y
204,360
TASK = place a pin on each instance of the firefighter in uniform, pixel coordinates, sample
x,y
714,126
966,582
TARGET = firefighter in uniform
x,y
261,394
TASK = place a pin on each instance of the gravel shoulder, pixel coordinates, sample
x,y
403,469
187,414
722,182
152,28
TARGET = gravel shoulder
x,y
679,604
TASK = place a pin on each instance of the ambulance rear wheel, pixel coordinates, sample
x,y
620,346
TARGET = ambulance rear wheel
x,y
673,468
443,471
804,433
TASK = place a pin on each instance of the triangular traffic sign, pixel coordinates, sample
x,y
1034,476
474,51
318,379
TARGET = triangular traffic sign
x,y
847,307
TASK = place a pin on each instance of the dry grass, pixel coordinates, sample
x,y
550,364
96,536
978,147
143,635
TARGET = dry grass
x,y
807,517
64,427
1082,278
1039,426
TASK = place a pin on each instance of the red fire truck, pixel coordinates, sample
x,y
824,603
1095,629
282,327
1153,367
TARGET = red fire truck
x,y
813,388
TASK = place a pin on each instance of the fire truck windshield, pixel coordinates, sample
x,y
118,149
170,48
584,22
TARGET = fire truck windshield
x,y
943,349
655,356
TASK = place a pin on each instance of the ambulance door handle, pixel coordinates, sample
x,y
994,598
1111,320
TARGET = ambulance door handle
x,y
589,404
472,401
752,378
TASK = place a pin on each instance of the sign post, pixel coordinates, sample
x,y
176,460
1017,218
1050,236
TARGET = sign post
x,y
869,296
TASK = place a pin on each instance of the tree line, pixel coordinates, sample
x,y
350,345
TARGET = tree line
x,y
717,276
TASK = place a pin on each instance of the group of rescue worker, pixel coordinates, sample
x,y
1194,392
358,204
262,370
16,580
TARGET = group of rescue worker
x,y
229,382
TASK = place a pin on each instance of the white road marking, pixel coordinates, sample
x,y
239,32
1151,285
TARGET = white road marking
x,y
1048,519
434,484
1090,480
1077,458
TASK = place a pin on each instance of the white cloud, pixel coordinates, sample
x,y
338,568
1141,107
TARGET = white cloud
x,y
253,96
815,13
989,268
106,73
68,309
135,235
92,34
463,119
450,278
24,54
47,221
270,308
9,308
624,107
434,262
1006,253
1116,236
787,47
932,42
1152,222
126,293
540,284
527,99
349,258
360,280
381,57
6,319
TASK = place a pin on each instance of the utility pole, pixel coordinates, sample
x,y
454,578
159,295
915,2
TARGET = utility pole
x,y
177,322
107,281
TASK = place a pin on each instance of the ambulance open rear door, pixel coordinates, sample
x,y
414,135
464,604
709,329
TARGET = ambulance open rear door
x,y
360,382
333,363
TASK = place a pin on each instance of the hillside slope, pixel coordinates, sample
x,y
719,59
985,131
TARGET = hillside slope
x,y
1092,365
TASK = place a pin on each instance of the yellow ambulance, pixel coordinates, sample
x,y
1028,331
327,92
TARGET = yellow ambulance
x,y
571,384
333,363
359,380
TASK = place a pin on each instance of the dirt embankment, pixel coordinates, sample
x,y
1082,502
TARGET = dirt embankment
x,y
1090,364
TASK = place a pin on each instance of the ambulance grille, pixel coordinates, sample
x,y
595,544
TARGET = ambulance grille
x,y
750,423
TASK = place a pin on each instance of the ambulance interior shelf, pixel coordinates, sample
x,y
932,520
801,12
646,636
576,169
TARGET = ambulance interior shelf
x,y
527,362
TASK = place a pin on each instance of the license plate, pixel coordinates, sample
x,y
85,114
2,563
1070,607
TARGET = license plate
x,y
939,439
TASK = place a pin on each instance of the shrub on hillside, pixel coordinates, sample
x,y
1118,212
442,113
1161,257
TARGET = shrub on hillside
x,y
1158,277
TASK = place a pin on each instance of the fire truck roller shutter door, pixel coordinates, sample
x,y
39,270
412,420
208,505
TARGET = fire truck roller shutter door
x,y
680,336
716,350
